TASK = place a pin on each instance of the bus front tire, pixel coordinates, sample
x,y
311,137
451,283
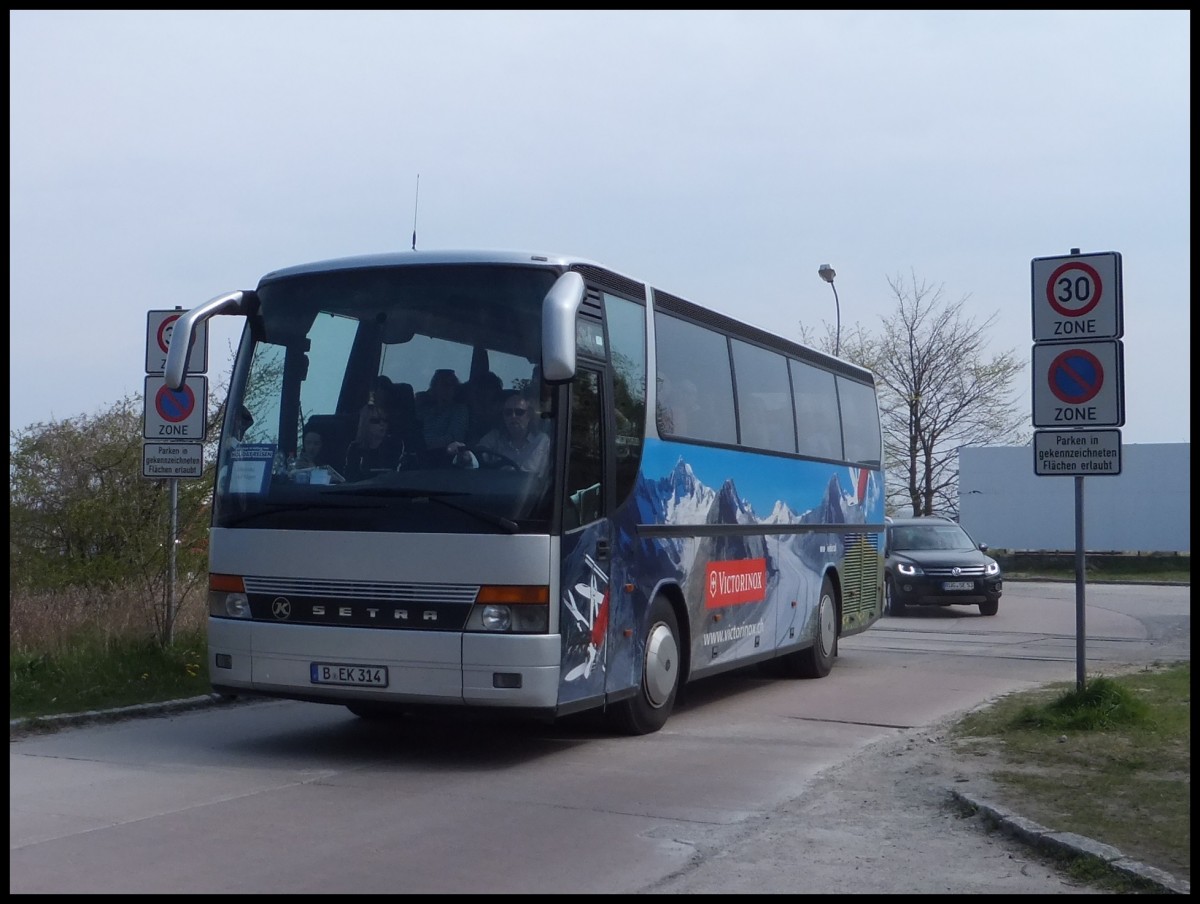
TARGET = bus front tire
x,y
648,710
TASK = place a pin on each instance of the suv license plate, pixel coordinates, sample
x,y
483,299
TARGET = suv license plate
x,y
351,675
958,585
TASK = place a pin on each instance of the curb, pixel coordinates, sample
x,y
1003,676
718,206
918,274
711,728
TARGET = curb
x,y
17,727
1038,836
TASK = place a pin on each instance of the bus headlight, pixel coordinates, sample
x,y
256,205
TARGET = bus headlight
x,y
228,605
227,597
496,618
511,609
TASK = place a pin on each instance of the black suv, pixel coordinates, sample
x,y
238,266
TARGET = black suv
x,y
932,561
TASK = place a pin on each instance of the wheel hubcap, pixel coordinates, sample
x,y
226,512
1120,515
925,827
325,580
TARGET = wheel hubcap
x,y
826,626
662,664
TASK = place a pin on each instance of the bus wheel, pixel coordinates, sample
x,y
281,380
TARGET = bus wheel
x,y
647,711
817,660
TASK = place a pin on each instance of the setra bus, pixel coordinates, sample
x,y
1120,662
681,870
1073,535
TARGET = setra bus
x,y
710,495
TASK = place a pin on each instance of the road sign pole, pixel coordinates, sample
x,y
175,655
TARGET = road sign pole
x,y
1078,382
1080,591
176,422
169,621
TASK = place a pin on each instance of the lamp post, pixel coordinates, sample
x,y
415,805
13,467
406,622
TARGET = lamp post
x,y
827,273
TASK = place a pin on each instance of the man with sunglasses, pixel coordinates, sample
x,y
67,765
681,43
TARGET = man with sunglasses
x,y
373,451
517,443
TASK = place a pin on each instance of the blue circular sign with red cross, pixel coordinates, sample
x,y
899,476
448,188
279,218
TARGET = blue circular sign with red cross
x,y
1075,376
177,406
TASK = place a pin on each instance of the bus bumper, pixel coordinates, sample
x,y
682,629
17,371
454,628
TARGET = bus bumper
x,y
520,671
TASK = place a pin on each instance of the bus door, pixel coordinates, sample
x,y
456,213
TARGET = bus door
x,y
586,540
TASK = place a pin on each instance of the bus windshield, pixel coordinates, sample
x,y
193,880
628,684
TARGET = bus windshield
x,y
391,398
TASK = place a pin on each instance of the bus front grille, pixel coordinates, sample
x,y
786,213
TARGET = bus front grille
x,y
360,604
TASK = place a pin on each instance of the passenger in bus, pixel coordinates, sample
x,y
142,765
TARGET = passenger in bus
x,y
312,459
310,450
399,405
515,445
443,417
372,451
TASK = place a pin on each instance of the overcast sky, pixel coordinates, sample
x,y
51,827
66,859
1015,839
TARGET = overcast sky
x,y
162,158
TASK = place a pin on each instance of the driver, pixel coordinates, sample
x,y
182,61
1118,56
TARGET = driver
x,y
518,439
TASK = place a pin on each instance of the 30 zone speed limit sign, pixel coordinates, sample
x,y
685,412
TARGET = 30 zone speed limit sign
x,y
1077,297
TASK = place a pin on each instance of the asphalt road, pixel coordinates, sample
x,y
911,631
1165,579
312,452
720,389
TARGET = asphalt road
x,y
754,786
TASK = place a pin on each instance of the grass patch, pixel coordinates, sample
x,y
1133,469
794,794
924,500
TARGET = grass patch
x,y
1110,761
97,672
1100,568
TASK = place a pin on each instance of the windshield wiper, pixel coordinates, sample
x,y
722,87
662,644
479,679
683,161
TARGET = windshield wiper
x,y
506,524
273,508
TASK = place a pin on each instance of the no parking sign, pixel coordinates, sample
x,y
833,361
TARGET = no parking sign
x,y
1078,384
175,414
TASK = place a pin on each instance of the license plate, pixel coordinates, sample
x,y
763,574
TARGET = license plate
x,y
351,675
958,585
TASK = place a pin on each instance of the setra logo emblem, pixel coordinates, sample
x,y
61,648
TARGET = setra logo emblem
x,y
281,608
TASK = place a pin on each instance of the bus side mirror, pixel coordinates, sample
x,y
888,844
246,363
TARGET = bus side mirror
x,y
175,371
559,310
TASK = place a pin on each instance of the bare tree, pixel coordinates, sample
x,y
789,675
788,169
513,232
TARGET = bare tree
x,y
938,392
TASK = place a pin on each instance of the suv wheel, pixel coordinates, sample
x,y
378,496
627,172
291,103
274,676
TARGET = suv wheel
x,y
991,607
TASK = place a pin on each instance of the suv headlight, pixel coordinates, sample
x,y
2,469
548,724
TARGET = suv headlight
x,y
993,568
906,569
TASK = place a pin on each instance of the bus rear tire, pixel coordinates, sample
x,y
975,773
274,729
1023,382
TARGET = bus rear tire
x,y
648,710
817,660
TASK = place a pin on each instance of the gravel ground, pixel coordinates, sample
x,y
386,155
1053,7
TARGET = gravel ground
x,y
905,816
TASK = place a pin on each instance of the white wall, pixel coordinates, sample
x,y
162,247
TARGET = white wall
x,y
1145,508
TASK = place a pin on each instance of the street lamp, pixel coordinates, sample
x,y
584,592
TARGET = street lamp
x,y
827,273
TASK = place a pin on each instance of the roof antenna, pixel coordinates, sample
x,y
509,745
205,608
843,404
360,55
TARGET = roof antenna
x,y
416,196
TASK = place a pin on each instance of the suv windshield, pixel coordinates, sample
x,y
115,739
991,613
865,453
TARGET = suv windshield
x,y
930,536
352,383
